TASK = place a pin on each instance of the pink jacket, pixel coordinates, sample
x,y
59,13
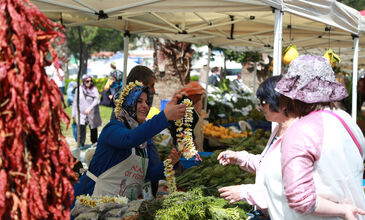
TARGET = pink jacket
x,y
319,157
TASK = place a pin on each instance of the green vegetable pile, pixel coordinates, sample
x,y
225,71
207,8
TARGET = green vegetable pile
x,y
148,209
210,175
194,206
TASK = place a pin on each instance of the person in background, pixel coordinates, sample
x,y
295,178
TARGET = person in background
x,y
255,194
203,74
57,78
214,78
360,93
115,81
321,167
123,162
144,75
89,111
194,92
71,92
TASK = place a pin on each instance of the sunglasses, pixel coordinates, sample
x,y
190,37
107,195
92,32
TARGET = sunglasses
x,y
263,102
87,81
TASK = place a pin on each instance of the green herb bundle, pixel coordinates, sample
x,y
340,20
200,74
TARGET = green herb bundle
x,y
194,206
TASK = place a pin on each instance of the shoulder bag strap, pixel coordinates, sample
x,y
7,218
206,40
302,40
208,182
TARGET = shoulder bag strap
x,y
347,128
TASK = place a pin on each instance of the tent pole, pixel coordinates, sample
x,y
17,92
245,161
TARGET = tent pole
x,y
126,42
278,31
204,27
132,5
167,22
354,77
149,24
206,83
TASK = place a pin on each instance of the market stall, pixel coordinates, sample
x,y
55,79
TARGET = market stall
x,y
231,23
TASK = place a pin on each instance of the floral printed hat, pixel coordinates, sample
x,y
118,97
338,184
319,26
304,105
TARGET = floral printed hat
x,y
311,79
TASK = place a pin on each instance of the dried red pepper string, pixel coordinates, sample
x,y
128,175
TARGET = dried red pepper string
x,y
35,160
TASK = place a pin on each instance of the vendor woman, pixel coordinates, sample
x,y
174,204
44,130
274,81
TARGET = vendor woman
x,y
123,161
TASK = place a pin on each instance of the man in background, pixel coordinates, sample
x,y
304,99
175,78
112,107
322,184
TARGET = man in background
x,y
214,78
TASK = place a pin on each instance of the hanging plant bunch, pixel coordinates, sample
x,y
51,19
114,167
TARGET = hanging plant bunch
x,y
35,160
170,175
185,143
289,54
332,57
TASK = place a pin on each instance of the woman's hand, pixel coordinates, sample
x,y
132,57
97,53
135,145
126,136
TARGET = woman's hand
x,y
351,212
174,111
228,157
328,208
174,156
230,193
87,111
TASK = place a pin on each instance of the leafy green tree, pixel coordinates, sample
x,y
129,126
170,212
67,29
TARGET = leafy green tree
x,y
241,57
108,40
93,39
357,4
80,41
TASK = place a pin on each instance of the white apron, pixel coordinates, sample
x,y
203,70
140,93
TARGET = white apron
x,y
124,179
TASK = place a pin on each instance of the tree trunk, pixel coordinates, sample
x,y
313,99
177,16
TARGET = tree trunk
x,y
79,74
173,61
262,73
84,55
155,57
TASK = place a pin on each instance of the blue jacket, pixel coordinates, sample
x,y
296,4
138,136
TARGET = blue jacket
x,y
115,145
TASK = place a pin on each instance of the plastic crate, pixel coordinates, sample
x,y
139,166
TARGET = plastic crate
x,y
192,162
265,125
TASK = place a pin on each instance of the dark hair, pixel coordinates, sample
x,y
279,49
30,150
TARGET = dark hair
x,y
266,91
215,69
85,78
140,73
298,108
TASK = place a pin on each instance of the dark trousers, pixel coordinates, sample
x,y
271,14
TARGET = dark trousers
x,y
93,135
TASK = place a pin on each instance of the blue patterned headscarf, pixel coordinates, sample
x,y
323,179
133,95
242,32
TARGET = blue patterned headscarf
x,y
129,106
130,101
128,112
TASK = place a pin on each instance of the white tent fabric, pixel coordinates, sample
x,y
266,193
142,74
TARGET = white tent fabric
x,y
329,12
234,24
220,23
308,24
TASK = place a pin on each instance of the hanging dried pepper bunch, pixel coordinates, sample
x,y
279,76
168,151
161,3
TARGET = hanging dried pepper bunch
x,y
35,160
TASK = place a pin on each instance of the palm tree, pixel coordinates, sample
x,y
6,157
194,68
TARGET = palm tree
x,y
172,61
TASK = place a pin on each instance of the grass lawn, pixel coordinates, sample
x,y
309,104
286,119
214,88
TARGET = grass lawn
x,y
105,116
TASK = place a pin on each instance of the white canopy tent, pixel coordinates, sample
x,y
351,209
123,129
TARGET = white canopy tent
x,y
237,23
